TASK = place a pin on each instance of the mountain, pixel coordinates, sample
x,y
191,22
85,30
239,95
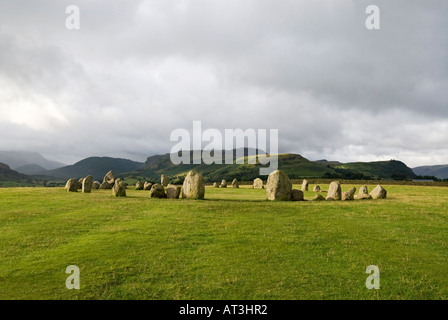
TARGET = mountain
x,y
96,166
7,174
439,171
31,169
16,159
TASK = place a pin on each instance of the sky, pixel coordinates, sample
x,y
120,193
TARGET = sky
x,y
137,70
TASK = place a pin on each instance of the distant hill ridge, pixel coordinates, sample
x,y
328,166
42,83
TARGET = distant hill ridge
x,y
96,166
438,171
17,159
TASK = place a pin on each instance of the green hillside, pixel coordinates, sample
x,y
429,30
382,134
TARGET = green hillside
x,y
382,169
294,165
96,166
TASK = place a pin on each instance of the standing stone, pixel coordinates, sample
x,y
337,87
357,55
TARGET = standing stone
x,y
71,185
258,183
223,183
363,190
318,197
119,188
87,184
108,180
104,185
157,191
278,186
147,186
96,185
173,191
139,185
296,195
215,185
305,185
194,187
316,188
80,181
378,193
235,184
348,195
363,196
164,180
334,192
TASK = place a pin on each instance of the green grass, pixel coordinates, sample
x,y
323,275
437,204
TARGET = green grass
x,y
234,245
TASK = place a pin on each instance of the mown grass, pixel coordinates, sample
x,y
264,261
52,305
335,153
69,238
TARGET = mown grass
x,y
233,245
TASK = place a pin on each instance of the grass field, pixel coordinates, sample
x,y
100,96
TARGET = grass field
x,y
233,245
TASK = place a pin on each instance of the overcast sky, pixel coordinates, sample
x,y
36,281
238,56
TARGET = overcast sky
x,y
136,70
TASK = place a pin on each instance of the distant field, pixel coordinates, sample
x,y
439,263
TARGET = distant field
x,y
233,245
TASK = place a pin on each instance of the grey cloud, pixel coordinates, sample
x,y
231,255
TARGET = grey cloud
x,y
136,71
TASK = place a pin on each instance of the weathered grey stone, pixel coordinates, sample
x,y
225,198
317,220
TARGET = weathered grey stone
x,y
104,185
173,191
278,186
348,195
334,191
96,185
80,183
223,183
193,187
258,183
296,195
235,184
164,180
378,193
363,190
139,185
119,188
71,185
304,185
108,181
147,186
363,196
157,191
316,188
87,184
215,185
318,197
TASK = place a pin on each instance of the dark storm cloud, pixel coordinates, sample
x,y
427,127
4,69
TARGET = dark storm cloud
x,y
137,70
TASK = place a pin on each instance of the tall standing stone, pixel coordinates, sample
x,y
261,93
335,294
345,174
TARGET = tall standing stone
x,y
258,183
193,187
108,181
223,183
87,184
119,188
235,184
164,180
334,192
305,185
278,186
